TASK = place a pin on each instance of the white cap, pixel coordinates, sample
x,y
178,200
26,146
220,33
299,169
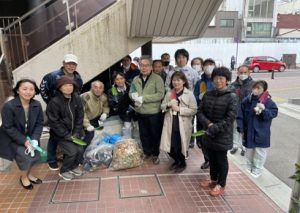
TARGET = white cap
x,y
70,58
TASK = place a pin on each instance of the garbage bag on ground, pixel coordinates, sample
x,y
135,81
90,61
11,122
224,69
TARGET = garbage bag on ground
x,y
127,154
97,157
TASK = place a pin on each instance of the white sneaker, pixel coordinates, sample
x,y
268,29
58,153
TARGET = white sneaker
x,y
249,170
255,174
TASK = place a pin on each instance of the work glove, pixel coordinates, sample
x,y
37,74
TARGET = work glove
x,y
134,95
103,117
259,108
139,99
90,129
201,95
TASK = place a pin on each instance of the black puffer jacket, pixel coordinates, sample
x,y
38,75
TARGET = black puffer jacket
x,y
219,108
65,116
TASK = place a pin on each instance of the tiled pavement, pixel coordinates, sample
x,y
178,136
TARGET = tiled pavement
x,y
149,188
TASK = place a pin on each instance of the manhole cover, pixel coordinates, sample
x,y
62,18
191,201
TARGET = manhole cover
x,y
139,186
77,190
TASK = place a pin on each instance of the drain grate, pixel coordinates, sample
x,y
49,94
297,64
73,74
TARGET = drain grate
x,y
77,190
133,186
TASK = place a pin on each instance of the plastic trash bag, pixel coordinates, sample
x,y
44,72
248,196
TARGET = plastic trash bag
x,y
127,154
97,157
5,165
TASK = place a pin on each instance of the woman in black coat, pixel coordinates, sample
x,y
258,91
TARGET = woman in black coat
x,y
217,113
22,117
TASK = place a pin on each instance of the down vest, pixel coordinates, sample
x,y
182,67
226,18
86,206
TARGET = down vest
x,y
218,107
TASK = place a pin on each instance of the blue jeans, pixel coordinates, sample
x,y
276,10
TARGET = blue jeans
x,y
51,149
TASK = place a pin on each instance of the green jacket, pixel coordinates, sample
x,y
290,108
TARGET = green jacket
x,y
153,92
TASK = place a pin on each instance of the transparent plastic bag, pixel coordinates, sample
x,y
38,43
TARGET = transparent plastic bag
x,y
127,154
97,157
5,165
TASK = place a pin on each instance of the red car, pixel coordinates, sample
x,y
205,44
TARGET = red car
x,y
257,63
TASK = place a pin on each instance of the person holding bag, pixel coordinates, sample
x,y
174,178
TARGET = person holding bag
x,y
179,106
22,121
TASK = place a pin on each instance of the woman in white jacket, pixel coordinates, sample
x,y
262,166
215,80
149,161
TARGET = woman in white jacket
x,y
179,106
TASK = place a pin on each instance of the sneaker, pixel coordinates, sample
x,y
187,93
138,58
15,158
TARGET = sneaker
x,y
255,174
187,155
208,184
243,152
249,170
53,166
155,160
77,171
217,190
233,150
205,165
66,176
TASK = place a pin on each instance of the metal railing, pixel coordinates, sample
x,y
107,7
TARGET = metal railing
x,y
45,24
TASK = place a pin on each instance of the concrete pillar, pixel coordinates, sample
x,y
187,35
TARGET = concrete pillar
x,y
147,49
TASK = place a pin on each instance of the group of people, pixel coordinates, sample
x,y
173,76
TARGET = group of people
x,y
164,100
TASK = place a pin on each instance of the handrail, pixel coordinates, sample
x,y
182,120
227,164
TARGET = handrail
x,y
26,14
41,26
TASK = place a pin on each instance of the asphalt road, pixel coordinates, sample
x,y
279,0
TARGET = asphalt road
x,y
285,143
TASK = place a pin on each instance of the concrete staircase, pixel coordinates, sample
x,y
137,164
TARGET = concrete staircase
x,y
98,43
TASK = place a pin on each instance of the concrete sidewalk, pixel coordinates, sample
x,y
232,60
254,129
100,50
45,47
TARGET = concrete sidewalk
x,y
274,188
148,188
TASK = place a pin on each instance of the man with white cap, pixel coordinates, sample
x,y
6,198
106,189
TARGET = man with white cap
x,y
48,91
48,84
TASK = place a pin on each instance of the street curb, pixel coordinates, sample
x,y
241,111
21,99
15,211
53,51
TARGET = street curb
x,y
274,188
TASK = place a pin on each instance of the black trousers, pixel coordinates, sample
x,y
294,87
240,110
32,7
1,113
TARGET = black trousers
x,y
150,127
72,155
201,140
176,153
218,166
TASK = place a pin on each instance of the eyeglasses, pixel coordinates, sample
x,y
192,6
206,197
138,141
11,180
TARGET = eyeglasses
x,y
144,65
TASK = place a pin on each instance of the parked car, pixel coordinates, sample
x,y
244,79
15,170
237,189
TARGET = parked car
x,y
257,63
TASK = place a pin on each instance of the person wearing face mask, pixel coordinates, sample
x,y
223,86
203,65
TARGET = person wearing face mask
x,y
204,85
254,121
165,58
197,64
129,71
242,87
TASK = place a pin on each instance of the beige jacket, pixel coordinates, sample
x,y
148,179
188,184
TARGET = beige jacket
x,y
93,106
188,108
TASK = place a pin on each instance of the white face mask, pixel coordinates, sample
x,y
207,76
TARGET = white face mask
x,y
243,77
209,69
197,68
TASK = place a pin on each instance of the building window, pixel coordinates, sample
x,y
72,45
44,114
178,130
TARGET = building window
x,y
227,23
259,29
261,8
